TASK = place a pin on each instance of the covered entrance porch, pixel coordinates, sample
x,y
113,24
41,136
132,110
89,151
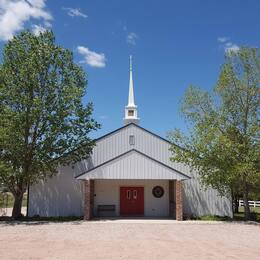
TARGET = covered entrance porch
x,y
133,198
133,184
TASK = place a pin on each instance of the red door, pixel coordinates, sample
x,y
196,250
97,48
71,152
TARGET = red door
x,y
131,201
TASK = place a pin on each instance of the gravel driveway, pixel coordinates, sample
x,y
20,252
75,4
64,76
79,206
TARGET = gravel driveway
x,y
133,239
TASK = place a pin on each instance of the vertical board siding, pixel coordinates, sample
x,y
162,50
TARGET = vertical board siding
x,y
62,195
198,201
118,143
133,165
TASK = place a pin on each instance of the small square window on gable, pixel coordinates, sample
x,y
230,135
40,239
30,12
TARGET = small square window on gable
x,y
131,139
130,112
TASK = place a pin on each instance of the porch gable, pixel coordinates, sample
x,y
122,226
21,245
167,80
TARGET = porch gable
x,y
133,165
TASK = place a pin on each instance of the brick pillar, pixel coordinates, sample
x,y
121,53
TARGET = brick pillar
x,y
178,200
88,199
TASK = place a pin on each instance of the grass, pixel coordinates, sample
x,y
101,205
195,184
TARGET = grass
x,y
254,211
7,200
237,216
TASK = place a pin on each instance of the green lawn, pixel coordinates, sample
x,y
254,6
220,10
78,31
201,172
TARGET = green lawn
x,y
7,200
255,212
256,209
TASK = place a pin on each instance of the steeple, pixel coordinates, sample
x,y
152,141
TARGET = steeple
x,y
131,99
131,108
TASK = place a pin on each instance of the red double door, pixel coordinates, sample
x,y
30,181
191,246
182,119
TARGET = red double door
x,y
131,201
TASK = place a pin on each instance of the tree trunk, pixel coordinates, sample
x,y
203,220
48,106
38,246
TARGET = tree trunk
x,y
246,203
236,204
17,208
235,201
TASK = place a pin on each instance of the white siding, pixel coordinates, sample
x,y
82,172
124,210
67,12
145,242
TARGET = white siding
x,y
133,165
200,201
60,195
108,192
196,200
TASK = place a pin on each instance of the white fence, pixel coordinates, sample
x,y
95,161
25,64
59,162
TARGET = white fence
x,y
252,203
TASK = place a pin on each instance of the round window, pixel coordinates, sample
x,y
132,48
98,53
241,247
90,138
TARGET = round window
x,y
158,191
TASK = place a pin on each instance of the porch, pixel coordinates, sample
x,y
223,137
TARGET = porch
x,y
133,198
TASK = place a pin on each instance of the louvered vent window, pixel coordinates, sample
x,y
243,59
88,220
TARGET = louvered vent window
x,y
130,112
131,139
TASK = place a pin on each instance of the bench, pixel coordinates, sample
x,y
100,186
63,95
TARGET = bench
x,y
106,208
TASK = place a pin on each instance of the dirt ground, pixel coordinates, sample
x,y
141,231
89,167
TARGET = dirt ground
x,y
129,239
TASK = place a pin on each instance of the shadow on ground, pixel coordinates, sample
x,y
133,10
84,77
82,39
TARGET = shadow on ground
x,y
9,221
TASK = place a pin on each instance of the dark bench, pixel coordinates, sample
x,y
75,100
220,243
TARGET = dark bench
x,y
106,208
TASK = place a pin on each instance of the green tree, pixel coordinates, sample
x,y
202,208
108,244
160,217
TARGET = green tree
x,y
223,141
43,121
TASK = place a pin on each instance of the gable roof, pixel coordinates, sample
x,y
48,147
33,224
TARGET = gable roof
x,y
120,128
177,174
138,126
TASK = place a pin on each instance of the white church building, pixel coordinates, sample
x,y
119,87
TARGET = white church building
x,y
129,174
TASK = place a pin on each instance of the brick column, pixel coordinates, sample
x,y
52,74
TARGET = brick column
x,y
88,199
178,200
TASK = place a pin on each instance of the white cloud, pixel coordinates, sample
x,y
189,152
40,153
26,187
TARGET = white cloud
x,y
228,45
92,58
103,117
131,38
15,13
47,24
223,39
74,12
37,29
231,47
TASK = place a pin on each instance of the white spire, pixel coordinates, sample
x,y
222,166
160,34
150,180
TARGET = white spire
x,y
131,108
131,99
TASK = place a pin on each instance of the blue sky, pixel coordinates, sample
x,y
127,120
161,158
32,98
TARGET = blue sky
x,y
173,43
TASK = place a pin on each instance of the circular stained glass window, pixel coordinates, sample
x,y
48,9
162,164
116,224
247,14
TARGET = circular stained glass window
x,y
158,191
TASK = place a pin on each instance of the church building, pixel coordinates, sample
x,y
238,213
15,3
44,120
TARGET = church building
x,y
129,174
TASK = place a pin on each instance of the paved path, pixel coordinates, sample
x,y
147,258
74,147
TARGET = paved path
x,y
129,239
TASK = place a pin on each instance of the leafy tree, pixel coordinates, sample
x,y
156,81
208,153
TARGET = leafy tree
x,y
43,121
223,141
